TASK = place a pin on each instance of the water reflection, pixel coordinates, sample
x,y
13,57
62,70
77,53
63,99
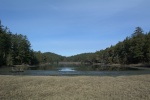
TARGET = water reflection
x,y
81,68
69,70
66,69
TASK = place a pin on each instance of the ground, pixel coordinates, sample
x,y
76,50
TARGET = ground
x,y
136,87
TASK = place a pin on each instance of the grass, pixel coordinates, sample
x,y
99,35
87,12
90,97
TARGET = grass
x,y
75,88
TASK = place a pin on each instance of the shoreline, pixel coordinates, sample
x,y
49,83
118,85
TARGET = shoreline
x,y
109,70
146,65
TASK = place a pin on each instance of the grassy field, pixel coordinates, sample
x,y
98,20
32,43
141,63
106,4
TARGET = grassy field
x,y
75,88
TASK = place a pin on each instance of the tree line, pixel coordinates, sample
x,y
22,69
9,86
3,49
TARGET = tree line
x,y
15,49
48,57
82,57
132,50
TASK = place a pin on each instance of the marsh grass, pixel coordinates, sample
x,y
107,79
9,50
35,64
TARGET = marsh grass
x,y
75,88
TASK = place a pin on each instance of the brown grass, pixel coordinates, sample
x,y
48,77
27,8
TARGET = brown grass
x,y
75,88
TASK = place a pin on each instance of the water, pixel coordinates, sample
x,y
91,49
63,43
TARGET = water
x,y
66,69
75,70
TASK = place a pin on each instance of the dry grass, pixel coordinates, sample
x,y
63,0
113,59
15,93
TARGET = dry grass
x,y
75,88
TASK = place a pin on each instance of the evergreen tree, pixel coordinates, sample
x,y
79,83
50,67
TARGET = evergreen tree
x,y
147,48
5,44
14,48
20,49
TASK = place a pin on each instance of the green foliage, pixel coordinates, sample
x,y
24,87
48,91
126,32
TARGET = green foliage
x,y
134,49
82,57
5,44
20,49
48,57
14,48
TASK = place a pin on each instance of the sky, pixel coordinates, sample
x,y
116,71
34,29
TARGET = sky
x,y
70,27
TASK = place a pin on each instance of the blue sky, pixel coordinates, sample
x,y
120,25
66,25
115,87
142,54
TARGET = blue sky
x,y
69,27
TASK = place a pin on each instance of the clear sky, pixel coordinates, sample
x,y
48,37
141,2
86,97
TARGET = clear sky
x,y
69,27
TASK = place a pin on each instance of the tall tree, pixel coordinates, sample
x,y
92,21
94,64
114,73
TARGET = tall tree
x,y
5,44
20,49
138,32
147,48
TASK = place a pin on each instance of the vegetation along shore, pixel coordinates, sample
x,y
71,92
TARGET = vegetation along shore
x,y
15,49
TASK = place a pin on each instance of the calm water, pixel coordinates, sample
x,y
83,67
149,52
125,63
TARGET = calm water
x,y
75,70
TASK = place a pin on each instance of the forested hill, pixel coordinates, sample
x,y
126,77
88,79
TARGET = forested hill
x,y
48,57
82,57
132,50
15,49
